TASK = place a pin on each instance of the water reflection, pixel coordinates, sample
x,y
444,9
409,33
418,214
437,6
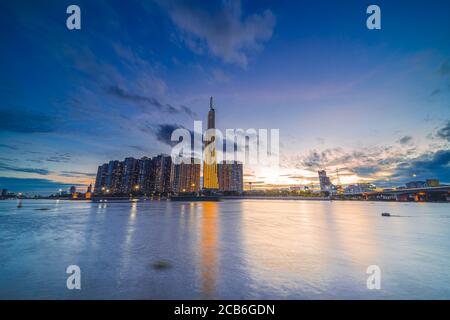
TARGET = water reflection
x,y
208,247
237,249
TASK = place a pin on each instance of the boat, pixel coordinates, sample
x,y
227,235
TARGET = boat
x,y
385,214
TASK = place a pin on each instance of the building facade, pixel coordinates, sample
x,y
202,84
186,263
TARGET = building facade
x,y
162,171
100,180
325,183
186,177
231,176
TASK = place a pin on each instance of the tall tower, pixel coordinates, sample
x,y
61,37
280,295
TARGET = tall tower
x,y
210,177
211,114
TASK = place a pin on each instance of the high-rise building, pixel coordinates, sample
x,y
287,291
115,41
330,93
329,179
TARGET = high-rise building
x,y
186,177
146,174
325,183
73,189
230,176
210,177
114,178
100,180
162,174
130,175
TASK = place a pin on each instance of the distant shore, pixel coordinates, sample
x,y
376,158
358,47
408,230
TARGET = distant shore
x,y
220,198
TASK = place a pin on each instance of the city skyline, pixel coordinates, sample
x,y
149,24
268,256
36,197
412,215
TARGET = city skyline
x,y
371,104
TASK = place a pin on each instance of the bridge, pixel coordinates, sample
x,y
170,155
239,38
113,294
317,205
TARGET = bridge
x,y
441,193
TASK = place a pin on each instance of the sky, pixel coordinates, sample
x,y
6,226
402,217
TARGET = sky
x,y
365,105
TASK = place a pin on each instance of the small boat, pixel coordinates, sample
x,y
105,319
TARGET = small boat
x,y
385,214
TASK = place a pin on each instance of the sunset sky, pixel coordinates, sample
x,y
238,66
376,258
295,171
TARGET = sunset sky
x,y
374,104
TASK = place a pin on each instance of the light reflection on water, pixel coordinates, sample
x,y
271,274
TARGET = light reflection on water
x,y
242,249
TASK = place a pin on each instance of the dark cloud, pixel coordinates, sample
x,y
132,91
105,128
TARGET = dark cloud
x,y
405,140
151,102
59,157
433,165
23,121
6,167
224,32
138,148
366,170
76,174
444,69
444,133
6,146
188,111
435,92
163,133
316,160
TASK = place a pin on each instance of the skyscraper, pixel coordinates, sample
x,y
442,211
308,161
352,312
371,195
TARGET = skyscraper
x,y
162,172
114,177
210,177
100,180
325,183
130,175
231,176
146,174
186,177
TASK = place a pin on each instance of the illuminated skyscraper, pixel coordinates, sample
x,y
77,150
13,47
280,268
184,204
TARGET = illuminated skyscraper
x,y
210,178
162,174
130,174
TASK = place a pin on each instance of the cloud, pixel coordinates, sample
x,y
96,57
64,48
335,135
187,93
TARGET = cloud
x,y
444,133
366,170
8,147
76,174
426,166
435,92
405,140
224,32
6,167
152,102
444,69
24,121
59,157
188,111
138,148
164,132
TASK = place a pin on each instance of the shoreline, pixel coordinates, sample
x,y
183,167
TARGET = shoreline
x,y
221,198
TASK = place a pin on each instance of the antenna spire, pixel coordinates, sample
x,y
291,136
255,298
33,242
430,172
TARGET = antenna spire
x,y
211,103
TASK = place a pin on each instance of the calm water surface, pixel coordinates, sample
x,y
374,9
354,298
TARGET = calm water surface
x,y
235,249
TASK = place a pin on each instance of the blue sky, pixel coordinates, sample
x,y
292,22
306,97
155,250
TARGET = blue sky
x,y
372,104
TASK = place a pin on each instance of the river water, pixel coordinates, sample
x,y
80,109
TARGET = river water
x,y
234,249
